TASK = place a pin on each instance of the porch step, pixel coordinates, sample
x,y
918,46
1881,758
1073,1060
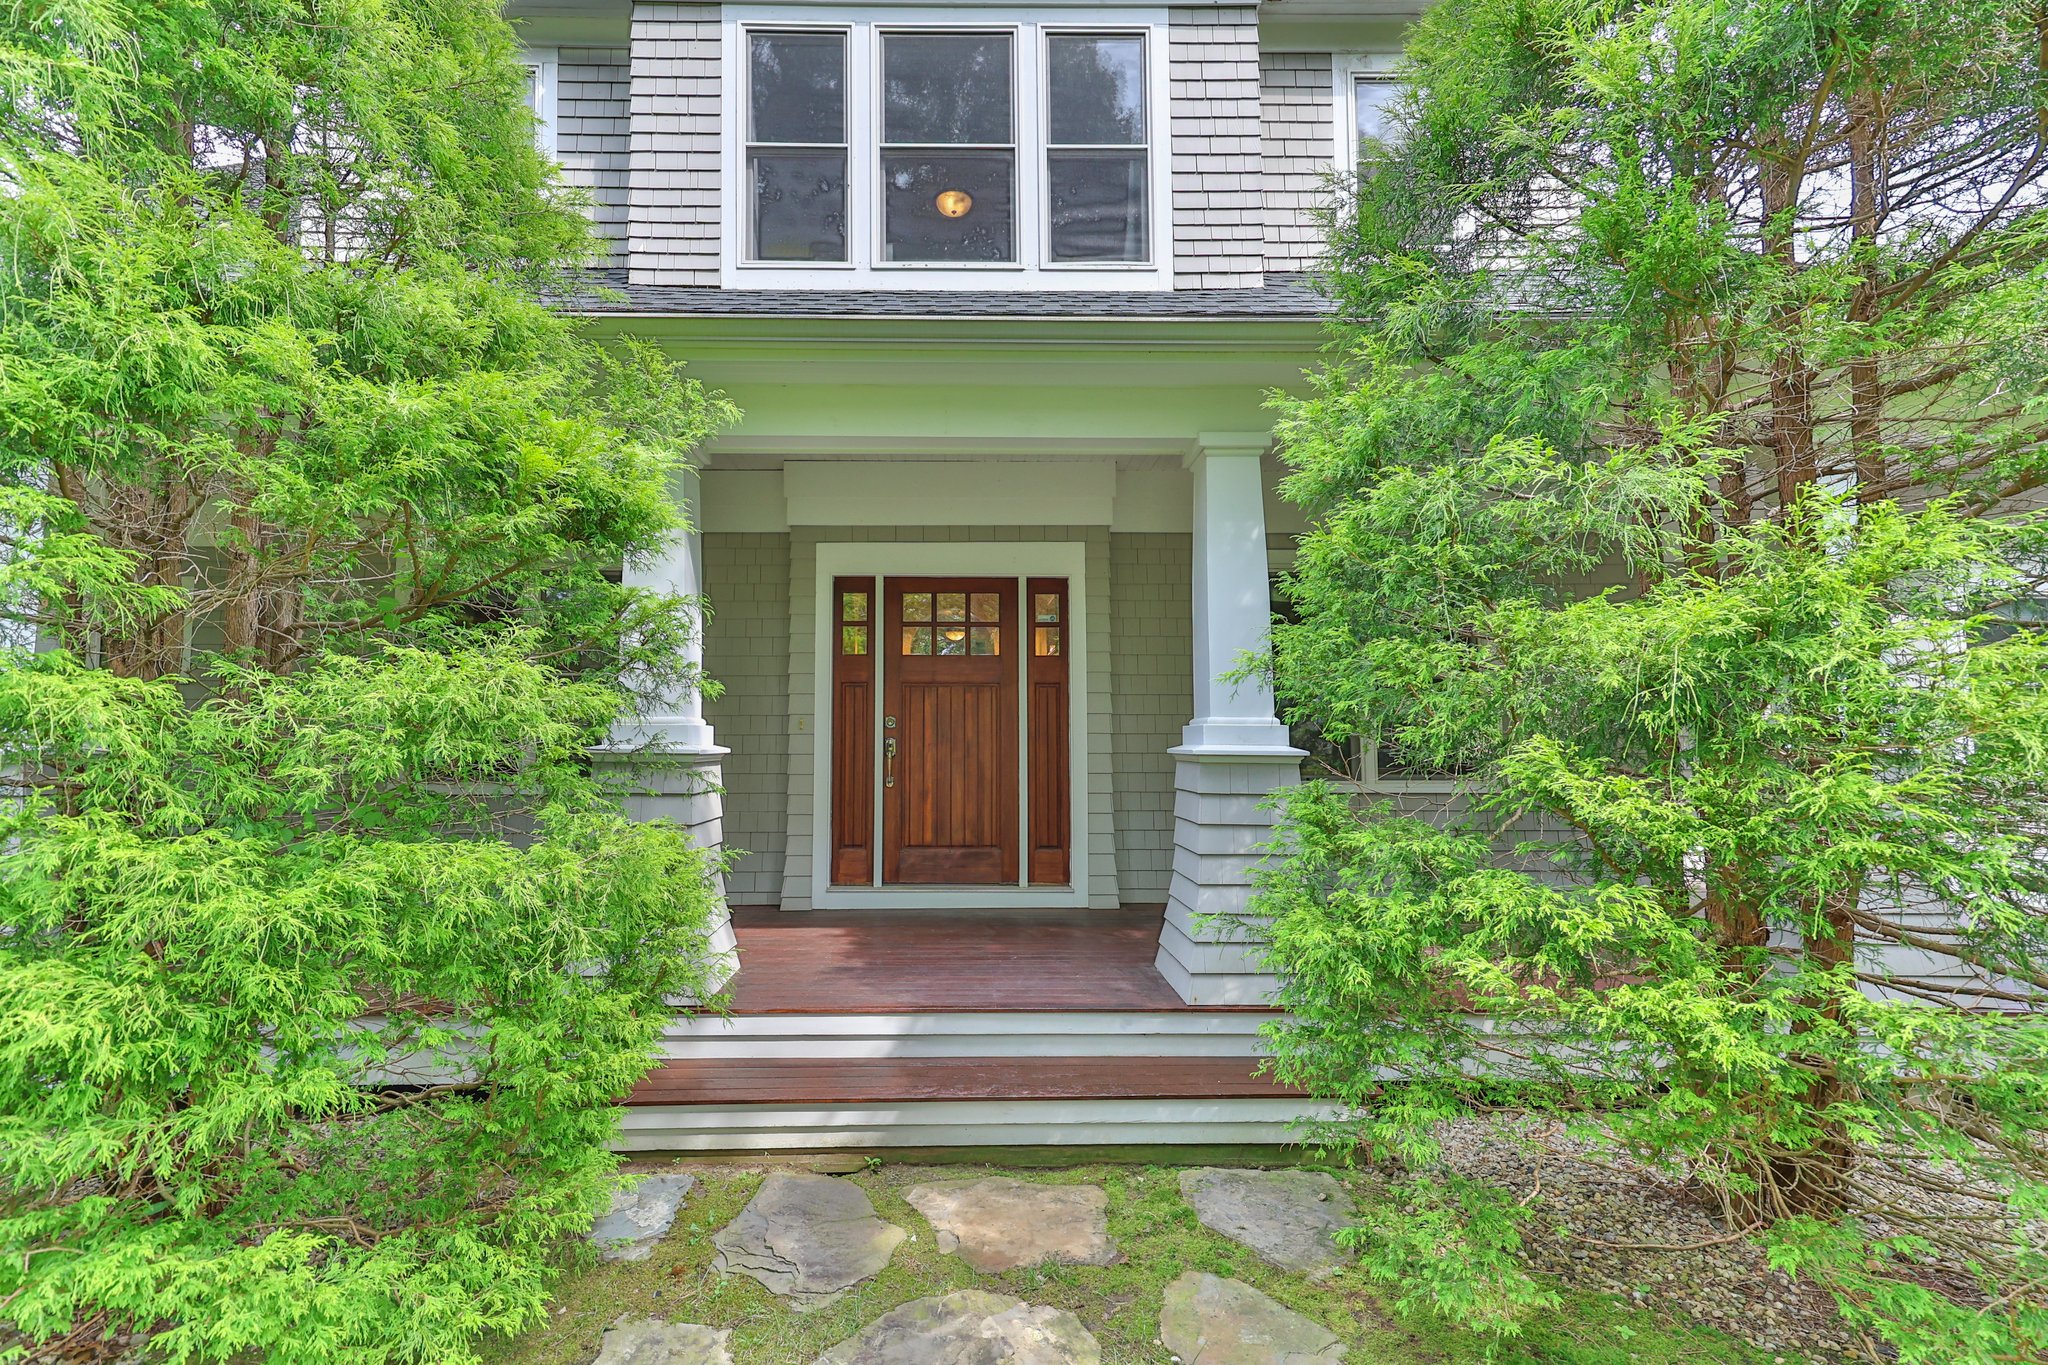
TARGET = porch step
x,y
956,1124
870,1080
1003,1034
795,1104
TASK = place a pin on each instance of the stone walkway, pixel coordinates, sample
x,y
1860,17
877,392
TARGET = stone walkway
x,y
1000,1223
808,1238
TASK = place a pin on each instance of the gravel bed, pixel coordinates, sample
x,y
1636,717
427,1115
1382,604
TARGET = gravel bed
x,y
1587,1204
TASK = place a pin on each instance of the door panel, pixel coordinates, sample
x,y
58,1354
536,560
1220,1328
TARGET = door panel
x,y
853,733
950,778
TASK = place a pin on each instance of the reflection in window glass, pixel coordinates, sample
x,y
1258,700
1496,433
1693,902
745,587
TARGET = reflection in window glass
x,y
1045,606
917,606
1045,641
1098,89
952,606
985,639
796,145
952,639
1096,172
949,158
986,606
917,639
853,639
853,606
1372,106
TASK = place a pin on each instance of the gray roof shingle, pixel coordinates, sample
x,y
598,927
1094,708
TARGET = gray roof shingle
x,y
1283,298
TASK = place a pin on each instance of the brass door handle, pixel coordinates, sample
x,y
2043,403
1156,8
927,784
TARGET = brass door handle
x,y
889,764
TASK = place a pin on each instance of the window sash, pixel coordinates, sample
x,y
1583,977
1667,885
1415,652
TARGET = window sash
x,y
1139,229
754,148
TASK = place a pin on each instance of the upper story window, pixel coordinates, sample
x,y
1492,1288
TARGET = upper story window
x,y
542,67
1367,90
952,151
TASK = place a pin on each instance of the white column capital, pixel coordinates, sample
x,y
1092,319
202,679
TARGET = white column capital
x,y
674,723
1232,604
1226,444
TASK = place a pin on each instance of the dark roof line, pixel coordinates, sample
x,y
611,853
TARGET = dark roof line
x,y
1282,298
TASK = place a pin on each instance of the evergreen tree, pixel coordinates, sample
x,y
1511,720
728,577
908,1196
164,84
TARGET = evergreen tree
x,y
323,953
1671,483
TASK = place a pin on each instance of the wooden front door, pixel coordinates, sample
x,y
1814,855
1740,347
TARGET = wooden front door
x,y
949,730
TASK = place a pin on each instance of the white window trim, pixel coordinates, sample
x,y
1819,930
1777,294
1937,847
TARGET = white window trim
x,y
546,64
1033,268
895,559
1348,69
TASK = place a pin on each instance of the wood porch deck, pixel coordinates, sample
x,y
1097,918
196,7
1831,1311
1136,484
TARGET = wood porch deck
x,y
873,1028
926,961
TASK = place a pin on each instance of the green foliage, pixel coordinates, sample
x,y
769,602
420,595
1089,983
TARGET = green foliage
x,y
1670,481
324,948
1449,1248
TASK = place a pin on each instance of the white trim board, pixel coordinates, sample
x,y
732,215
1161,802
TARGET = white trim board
x,y
964,1123
1066,559
948,493
1093,1033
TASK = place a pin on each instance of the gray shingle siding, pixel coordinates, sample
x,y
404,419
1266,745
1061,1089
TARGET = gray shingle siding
x,y
746,647
1218,216
594,136
1296,139
673,212
1152,652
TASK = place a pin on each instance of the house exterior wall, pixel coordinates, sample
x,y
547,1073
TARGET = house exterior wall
x,y
1249,138
593,134
1151,613
746,649
672,222
1213,69
1296,97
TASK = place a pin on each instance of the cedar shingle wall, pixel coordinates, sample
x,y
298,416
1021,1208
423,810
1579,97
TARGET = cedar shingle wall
x,y
1218,218
593,134
673,213
746,648
1295,125
1151,653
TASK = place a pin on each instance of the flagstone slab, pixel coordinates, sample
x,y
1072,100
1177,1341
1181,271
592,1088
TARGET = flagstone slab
x,y
808,1238
1216,1321
640,1217
1290,1217
999,1223
969,1327
651,1341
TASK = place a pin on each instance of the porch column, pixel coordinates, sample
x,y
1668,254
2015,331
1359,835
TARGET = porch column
x,y
673,760
1234,752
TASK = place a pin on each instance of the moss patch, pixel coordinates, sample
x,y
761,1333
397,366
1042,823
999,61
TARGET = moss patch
x,y
1160,1238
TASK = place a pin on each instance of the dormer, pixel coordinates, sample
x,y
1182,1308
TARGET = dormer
x,y
1050,148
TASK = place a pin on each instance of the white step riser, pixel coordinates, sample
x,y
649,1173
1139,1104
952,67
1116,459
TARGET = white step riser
x,y
965,1035
962,1123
